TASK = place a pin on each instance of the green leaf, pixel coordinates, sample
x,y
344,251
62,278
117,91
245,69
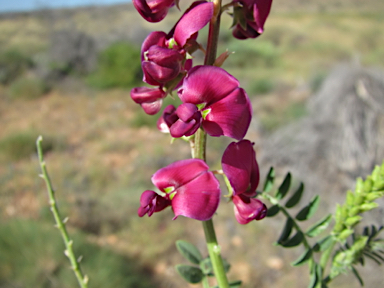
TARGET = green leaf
x,y
207,268
295,198
316,275
303,258
323,244
286,231
273,210
308,211
294,241
319,226
233,284
190,273
189,251
269,180
284,187
357,276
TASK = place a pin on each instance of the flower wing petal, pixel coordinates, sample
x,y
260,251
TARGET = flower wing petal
x,y
193,21
198,199
207,84
240,166
179,173
230,116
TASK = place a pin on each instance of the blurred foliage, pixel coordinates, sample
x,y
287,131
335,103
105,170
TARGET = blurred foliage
x,y
25,244
118,66
292,112
12,64
27,88
21,145
251,54
260,86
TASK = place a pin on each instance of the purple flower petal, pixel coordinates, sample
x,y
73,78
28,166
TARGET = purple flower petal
x,y
261,11
167,119
154,38
230,116
150,99
179,173
151,202
207,84
240,166
193,21
153,10
189,121
198,199
248,209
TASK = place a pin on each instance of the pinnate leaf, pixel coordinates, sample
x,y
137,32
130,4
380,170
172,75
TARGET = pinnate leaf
x,y
273,210
189,251
269,180
295,198
319,227
308,211
294,241
323,244
190,273
286,231
303,258
284,187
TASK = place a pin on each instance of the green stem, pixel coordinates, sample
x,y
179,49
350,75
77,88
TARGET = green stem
x,y
198,151
60,224
324,260
205,282
274,201
215,254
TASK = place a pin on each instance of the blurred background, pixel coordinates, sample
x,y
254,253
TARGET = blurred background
x,y
315,78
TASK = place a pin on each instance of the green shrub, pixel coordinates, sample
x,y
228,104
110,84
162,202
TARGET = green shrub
x,y
260,86
32,256
23,144
118,66
27,88
12,65
253,53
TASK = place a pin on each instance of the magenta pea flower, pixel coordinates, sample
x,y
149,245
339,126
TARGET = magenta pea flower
x,y
248,209
150,99
153,10
240,167
225,107
183,121
151,202
249,18
187,186
164,56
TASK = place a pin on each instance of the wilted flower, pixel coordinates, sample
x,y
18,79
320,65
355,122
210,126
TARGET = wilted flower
x,y
225,107
187,186
249,18
240,167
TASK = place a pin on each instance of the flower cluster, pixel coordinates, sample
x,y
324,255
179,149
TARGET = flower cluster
x,y
212,100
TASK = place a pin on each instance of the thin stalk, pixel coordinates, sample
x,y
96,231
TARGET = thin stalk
x,y
214,251
60,224
198,151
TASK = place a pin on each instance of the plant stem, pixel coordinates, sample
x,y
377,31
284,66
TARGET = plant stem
x,y
60,224
198,151
215,254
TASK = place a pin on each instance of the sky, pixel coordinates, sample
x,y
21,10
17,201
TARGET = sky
x,y
27,5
